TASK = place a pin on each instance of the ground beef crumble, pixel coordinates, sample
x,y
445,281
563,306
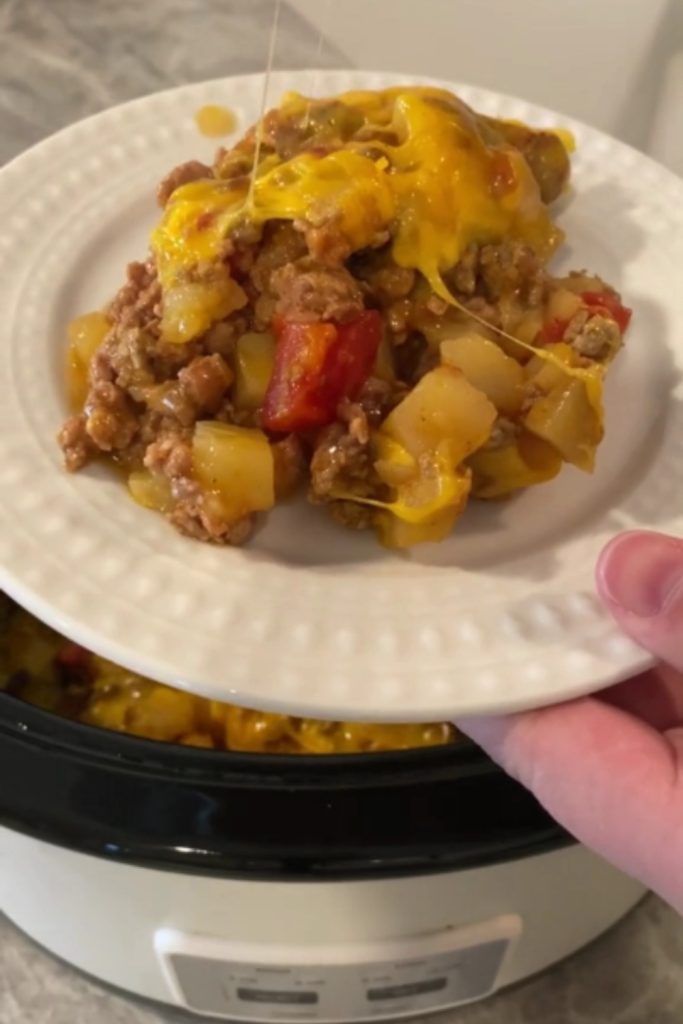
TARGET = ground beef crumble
x,y
489,274
145,395
375,401
341,463
137,302
77,446
205,381
599,338
195,513
111,419
290,464
308,291
185,173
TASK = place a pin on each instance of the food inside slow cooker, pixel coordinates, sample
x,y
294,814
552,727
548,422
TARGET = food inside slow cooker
x,y
355,301
39,666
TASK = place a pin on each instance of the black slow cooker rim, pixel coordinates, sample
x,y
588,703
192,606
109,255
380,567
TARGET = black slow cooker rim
x,y
154,758
257,816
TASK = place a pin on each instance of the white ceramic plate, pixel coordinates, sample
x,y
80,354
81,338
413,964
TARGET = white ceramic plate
x,y
310,618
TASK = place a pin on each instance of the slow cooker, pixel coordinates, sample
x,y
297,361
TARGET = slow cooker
x,y
287,888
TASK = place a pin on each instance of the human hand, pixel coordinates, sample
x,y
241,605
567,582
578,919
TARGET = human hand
x,y
609,767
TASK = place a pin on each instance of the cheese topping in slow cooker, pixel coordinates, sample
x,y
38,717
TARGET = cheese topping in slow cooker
x,y
41,667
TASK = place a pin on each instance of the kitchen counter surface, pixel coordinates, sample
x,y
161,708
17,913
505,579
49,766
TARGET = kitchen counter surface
x,y
60,61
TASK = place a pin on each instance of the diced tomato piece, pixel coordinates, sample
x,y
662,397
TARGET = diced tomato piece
x,y
610,304
316,366
73,657
552,331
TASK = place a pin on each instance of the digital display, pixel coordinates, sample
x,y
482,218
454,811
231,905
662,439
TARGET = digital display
x,y
277,997
410,988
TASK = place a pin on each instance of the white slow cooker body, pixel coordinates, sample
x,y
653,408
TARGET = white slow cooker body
x,y
130,925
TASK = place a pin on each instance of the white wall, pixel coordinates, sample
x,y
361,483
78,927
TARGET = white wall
x,y
609,62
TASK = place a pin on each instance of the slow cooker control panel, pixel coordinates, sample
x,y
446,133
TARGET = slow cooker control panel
x,y
253,983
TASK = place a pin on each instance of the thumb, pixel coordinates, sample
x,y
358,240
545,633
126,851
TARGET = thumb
x,y
640,579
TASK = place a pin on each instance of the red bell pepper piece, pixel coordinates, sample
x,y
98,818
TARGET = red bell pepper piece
x,y
316,366
610,304
552,332
595,302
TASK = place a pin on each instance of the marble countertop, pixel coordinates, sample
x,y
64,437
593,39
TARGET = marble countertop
x,y
60,61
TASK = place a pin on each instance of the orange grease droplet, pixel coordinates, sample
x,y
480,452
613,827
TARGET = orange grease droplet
x,y
214,121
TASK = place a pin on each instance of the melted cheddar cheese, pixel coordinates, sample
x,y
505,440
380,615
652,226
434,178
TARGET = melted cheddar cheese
x,y
419,163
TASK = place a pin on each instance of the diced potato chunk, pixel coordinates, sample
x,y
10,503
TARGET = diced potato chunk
x,y
453,324
542,375
527,330
434,487
526,462
426,506
442,412
161,713
236,465
429,493
254,360
86,334
190,308
158,712
487,368
567,419
394,465
151,490
245,729
563,305
419,447
554,365
397,534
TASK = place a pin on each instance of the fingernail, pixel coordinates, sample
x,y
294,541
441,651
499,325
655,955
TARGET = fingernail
x,y
642,573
